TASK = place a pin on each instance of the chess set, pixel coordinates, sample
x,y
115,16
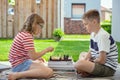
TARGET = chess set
x,y
61,63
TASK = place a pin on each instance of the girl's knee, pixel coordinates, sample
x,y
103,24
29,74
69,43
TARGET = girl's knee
x,y
49,73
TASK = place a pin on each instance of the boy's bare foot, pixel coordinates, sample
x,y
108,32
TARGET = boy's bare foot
x,y
83,74
13,76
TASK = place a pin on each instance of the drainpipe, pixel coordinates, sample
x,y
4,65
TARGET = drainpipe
x,y
116,20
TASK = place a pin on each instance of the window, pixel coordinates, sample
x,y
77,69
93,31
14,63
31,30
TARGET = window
x,y
78,10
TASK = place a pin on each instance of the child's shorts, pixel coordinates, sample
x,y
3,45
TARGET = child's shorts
x,y
23,66
102,70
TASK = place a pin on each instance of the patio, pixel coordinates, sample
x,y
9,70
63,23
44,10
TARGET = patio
x,y
58,75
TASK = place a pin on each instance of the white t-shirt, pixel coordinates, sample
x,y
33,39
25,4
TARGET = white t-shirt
x,y
103,41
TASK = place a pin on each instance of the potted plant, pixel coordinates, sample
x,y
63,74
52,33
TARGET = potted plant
x,y
58,34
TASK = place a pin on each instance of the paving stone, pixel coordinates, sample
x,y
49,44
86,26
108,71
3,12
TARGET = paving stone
x,y
63,75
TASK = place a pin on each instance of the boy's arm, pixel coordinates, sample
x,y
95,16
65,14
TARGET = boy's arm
x,y
102,58
88,56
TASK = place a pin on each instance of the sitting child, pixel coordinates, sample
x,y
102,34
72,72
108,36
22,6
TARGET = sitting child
x,y
102,59
23,55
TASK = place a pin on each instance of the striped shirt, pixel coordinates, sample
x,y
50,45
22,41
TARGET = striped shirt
x,y
103,41
22,43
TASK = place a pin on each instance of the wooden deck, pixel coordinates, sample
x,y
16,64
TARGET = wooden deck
x,y
61,75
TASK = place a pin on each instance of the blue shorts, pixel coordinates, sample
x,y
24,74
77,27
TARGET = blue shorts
x,y
23,66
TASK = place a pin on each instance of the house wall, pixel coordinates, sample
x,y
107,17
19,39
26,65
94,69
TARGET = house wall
x,y
75,26
90,4
116,20
107,15
103,16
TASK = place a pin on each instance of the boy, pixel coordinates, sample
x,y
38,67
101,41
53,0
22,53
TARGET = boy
x,y
102,59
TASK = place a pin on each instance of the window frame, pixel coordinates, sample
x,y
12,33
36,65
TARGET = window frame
x,y
77,17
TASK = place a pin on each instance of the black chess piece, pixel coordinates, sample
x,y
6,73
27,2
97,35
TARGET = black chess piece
x,y
50,58
66,57
60,58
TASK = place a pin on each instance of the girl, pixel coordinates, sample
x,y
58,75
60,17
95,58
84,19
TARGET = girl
x,y
22,53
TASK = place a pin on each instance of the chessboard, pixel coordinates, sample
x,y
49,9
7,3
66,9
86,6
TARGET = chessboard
x,y
61,63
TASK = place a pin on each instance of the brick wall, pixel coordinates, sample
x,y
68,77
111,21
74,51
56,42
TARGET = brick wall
x,y
74,26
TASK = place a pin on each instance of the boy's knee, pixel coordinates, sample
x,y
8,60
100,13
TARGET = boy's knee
x,y
78,65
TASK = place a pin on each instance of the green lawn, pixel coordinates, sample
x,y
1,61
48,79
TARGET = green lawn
x,y
72,48
77,36
69,47
118,44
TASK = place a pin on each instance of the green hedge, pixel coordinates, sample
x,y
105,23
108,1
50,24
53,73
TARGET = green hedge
x,y
106,25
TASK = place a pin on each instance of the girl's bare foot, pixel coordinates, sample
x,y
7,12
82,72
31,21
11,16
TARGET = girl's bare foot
x,y
13,76
42,60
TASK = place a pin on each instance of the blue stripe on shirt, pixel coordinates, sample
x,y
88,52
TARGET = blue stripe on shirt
x,y
94,45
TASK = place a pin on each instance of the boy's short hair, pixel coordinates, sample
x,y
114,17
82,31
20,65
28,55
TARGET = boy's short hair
x,y
92,14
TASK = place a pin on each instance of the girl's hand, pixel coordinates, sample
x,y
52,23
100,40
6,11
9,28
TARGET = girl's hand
x,y
50,49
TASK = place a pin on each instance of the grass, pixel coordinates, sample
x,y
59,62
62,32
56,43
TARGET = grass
x,y
77,36
72,48
69,47
4,48
118,44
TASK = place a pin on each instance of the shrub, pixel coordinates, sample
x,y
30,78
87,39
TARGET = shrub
x,y
106,25
58,33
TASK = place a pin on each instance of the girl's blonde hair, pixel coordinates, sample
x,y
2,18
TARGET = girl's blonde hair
x,y
32,19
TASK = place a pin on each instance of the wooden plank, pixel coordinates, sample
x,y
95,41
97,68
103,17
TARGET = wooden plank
x,y
49,18
16,18
0,19
21,13
55,14
10,23
41,8
10,26
6,21
4,18
27,9
52,19
44,17
41,14
33,6
38,8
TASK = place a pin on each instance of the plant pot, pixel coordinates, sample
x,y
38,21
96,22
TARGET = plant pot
x,y
56,38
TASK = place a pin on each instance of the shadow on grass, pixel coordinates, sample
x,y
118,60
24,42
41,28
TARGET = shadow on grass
x,y
71,48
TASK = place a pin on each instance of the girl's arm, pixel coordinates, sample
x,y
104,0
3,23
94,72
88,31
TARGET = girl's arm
x,y
35,55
